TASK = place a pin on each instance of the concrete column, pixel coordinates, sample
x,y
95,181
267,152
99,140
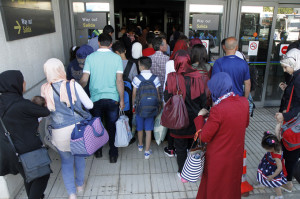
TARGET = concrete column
x,y
232,17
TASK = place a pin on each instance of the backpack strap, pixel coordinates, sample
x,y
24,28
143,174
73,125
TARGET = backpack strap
x,y
127,69
141,78
152,78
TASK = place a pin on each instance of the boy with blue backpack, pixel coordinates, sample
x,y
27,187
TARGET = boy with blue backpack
x,y
145,97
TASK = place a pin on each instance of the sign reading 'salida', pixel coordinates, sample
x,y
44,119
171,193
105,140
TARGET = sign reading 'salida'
x,y
26,18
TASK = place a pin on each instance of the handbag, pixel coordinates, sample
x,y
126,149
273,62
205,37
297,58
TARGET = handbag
x,y
88,135
175,115
35,163
123,132
194,164
290,131
159,131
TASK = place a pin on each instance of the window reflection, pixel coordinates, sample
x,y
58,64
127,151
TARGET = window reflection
x,y
97,7
78,7
287,30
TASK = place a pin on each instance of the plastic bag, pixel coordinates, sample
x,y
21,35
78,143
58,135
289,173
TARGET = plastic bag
x,y
123,132
159,130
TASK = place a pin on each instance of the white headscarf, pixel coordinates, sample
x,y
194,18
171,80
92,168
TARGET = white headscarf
x,y
292,59
137,50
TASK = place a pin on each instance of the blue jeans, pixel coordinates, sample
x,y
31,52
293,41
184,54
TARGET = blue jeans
x,y
67,165
108,110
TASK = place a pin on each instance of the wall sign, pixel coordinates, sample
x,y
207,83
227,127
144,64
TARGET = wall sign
x,y
253,48
206,44
283,49
205,22
90,20
26,18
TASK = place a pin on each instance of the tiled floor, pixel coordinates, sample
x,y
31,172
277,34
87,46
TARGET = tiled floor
x,y
135,178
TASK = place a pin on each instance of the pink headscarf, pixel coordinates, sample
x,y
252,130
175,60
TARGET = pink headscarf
x,y
55,72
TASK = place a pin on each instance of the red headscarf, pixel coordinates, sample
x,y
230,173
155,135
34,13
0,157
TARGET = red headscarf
x,y
180,45
183,68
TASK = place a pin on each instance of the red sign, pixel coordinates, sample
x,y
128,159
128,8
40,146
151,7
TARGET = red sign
x,y
284,49
204,44
253,46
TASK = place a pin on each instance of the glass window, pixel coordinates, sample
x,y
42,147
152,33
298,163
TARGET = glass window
x,y
255,29
78,7
287,30
97,7
206,24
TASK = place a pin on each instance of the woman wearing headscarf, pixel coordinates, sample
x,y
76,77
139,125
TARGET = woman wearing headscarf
x,y
224,133
20,117
137,50
62,121
180,45
291,65
195,93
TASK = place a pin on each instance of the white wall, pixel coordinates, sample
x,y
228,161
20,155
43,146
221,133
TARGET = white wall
x,y
28,55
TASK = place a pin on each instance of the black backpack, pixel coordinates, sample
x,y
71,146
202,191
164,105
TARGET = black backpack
x,y
127,87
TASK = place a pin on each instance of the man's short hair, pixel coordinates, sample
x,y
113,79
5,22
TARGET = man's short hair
x,y
108,29
118,46
150,36
104,39
145,62
231,43
157,42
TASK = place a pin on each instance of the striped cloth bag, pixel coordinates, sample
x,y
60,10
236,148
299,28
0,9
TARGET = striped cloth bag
x,y
194,164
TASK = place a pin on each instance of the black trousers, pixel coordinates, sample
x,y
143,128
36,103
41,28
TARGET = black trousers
x,y
182,145
170,141
290,158
34,189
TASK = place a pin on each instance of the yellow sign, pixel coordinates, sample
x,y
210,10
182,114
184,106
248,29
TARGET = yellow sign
x,y
18,27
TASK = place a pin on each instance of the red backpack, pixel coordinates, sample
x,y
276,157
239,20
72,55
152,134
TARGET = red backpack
x,y
290,131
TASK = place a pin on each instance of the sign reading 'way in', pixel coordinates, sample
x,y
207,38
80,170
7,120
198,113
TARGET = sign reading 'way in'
x,y
22,19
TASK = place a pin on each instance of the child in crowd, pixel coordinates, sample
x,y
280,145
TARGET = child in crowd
x,y
39,100
142,122
271,170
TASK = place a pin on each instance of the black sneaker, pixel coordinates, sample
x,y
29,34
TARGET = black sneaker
x,y
169,152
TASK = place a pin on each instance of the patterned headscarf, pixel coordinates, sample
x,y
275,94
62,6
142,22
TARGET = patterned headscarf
x,y
292,59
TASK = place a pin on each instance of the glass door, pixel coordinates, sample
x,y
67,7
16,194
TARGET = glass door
x,y
254,40
287,30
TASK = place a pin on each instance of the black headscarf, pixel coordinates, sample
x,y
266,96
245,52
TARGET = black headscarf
x,y
11,88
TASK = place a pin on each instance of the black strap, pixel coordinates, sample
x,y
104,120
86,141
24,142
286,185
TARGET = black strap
x,y
7,134
127,69
71,102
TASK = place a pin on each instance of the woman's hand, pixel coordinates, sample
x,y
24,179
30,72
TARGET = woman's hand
x,y
203,112
282,86
270,178
279,117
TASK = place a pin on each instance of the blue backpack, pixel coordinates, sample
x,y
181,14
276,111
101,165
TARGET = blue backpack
x,y
127,87
147,103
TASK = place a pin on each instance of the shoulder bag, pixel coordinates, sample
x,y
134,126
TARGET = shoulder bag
x,y
88,135
35,163
194,163
290,131
175,115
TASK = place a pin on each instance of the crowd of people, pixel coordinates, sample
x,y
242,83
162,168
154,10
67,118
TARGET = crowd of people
x,y
216,98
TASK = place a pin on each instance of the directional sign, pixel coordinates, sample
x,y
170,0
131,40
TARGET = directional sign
x,y
22,19
206,44
283,49
253,48
90,20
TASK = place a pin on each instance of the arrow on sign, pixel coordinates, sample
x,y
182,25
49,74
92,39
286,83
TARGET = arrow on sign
x,y
18,27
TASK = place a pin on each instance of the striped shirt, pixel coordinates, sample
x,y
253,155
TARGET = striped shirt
x,y
147,75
